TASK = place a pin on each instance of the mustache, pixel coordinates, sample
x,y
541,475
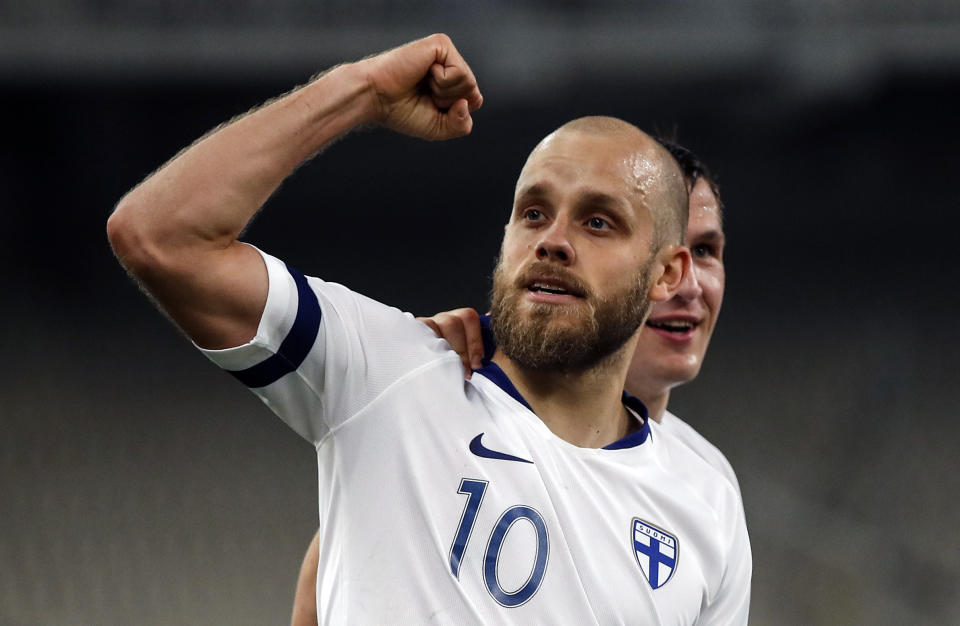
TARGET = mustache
x,y
551,271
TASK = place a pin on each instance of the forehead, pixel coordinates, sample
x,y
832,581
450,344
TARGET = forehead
x,y
704,210
604,162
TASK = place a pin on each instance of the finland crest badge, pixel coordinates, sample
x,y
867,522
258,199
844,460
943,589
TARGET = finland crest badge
x,y
656,551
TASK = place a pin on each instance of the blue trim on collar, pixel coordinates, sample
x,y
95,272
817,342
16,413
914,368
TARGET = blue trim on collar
x,y
296,345
486,332
638,437
490,369
497,376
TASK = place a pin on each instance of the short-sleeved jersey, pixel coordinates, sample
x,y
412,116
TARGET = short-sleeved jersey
x,y
688,435
450,502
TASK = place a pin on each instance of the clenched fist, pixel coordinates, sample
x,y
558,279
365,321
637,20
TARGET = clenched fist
x,y
424,89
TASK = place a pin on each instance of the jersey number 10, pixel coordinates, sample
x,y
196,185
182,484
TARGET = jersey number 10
x,y
474,490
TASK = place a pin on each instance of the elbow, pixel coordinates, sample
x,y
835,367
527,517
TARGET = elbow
x,y
130,239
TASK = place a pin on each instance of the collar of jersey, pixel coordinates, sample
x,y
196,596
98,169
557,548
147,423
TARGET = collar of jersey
x,y
497,376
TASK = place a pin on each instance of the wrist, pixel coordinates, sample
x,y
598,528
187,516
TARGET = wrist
x,y
361,94
337,101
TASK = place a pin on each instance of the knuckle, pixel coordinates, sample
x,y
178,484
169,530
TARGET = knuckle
x,y
448,326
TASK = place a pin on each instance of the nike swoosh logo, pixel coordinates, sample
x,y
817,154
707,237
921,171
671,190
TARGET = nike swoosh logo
x,y
481,450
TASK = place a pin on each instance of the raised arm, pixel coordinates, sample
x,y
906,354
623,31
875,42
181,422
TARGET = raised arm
x,y
177,231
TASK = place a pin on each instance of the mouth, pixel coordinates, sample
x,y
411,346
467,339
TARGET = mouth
x,y
554,289
548,288
674,326
545,282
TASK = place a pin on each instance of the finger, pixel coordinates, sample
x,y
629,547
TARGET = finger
x,y
427,122
452,329
433,325
445,79
473,336
451,68
457,122
455,335
466,321
448,84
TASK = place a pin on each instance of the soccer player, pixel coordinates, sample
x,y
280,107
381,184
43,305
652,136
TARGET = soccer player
x,y
535,492
669,353
674,343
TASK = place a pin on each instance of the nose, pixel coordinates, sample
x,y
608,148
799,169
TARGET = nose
x,y
554,245
690,288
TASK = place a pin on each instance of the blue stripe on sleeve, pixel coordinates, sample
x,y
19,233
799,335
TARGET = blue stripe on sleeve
x,y
296,345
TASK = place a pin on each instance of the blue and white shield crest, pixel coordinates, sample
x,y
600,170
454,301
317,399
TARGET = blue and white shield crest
x,y
656,551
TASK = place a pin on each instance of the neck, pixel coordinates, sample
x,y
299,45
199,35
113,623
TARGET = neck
x,y
653,391
655,403
582,408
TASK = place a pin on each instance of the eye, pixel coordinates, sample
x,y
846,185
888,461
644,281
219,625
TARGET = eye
x,y
703,250
533,215
598,223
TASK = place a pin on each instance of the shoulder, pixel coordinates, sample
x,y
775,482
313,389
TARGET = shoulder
x,y
698,479
323,352
708,478
697,443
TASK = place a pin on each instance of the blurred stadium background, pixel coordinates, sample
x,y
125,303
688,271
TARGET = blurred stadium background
x,y
141,485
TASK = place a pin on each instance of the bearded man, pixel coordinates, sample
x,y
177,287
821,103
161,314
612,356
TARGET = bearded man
x,y
533,493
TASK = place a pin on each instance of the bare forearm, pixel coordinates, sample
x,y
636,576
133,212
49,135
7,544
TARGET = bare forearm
x,y
305,600
176,232
208,194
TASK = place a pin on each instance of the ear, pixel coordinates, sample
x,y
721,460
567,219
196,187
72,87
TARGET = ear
x,y
675,261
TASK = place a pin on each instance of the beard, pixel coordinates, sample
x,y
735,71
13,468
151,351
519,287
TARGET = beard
x,y
565,339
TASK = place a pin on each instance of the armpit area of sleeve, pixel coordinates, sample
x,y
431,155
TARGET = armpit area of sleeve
x,y
277,319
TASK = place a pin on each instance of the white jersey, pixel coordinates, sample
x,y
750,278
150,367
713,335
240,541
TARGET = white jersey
x,y
700,445
449,502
